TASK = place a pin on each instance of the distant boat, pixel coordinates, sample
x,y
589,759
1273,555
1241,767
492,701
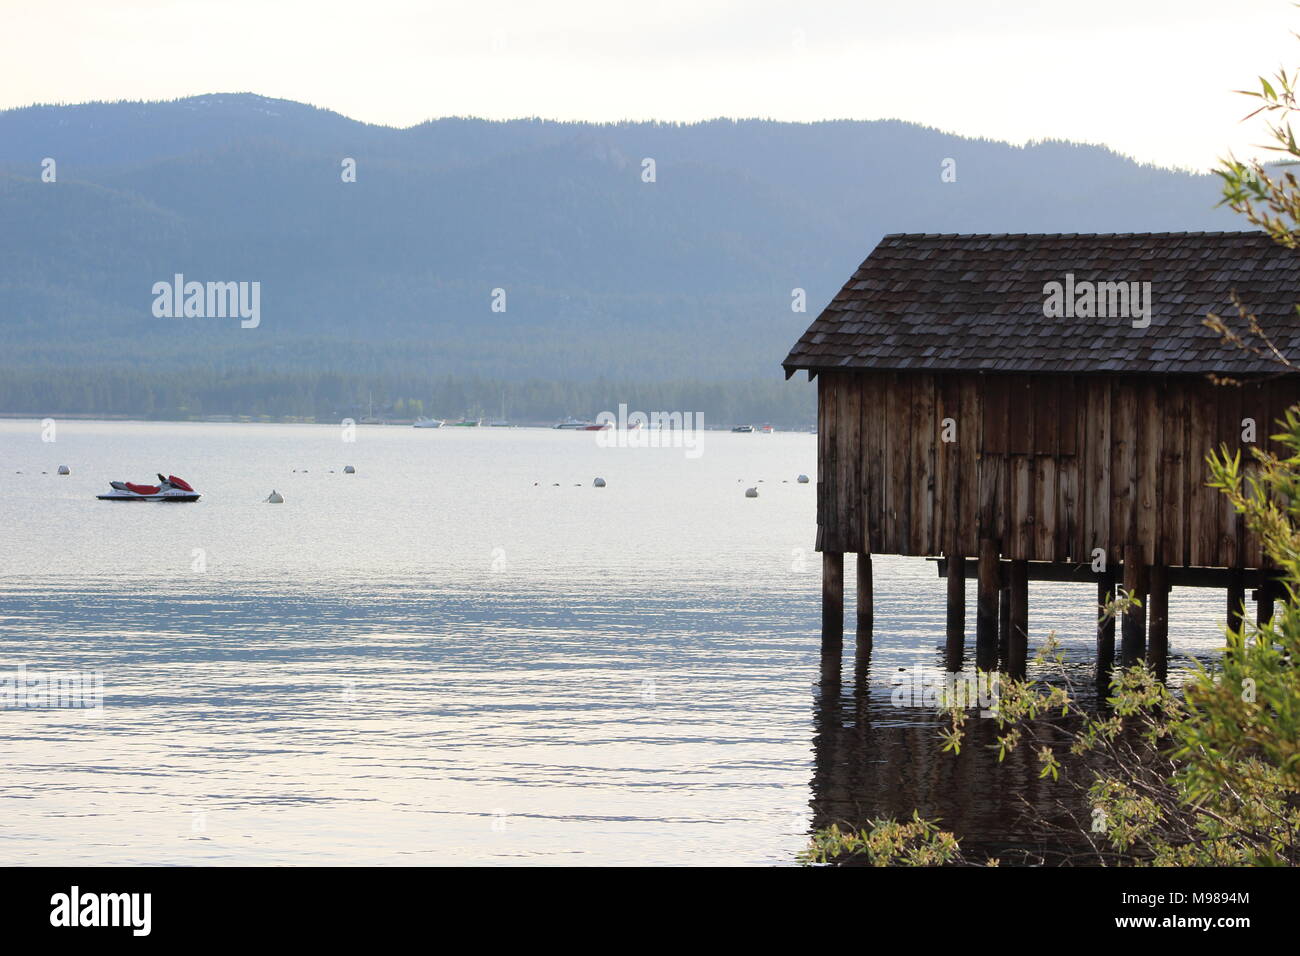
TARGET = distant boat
x,y
765,429
428,423
744,429
466,423
501,422
572,424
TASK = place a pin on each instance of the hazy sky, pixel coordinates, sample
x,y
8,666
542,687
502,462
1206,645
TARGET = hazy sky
x,y
1151,78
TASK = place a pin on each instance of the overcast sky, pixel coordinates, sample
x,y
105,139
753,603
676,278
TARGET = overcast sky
x,y
1151,78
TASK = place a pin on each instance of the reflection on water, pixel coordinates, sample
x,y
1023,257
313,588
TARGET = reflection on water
x,y
872,763
464,653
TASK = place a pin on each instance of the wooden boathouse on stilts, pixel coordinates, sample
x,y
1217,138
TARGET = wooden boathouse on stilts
x,y
1039,407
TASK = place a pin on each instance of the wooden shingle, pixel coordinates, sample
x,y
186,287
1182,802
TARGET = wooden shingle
x,y
975,303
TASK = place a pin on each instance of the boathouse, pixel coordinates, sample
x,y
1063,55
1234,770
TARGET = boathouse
x,y
1023,405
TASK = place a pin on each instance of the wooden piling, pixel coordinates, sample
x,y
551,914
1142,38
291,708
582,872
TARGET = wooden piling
x,y
866,613
1105,625
1264,598
832,602
1133,638
1018,633
1236,599
986,606
1158,620
955,647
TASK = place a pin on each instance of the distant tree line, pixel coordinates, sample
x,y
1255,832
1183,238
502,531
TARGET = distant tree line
x,y
330,396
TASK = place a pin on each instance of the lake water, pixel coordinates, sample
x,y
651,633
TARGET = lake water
x,y
464,653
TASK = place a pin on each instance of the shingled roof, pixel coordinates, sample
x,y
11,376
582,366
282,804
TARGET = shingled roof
x,y
975,303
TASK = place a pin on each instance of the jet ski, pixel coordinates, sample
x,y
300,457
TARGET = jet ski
x,y
169,488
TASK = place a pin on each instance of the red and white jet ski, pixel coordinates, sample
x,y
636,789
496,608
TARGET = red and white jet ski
x,y
169,488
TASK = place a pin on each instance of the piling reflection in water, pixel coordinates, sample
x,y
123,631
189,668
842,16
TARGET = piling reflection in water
x,y
873,759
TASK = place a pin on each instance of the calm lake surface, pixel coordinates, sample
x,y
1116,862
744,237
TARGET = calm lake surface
x,y
446,659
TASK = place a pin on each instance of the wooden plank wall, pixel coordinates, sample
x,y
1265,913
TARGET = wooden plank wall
x,y
1053,466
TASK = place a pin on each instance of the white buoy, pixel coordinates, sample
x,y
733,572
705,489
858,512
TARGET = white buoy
x,y
751,492
349,470
803,479
598,483
275,497
64,470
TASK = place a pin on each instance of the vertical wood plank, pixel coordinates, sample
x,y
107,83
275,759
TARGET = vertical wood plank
x,y
1020,419
1202,527
874,429
906,440
850,441
825,461
1149,417
1045,508
1230,524
1021,508
923,435
895,464
1254,405
1173,500
1098,431
1004,612
945,530
969,437
1123,485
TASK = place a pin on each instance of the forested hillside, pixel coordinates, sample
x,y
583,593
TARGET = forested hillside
x,y
671,294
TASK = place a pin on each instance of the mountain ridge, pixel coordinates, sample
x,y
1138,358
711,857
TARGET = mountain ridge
x,y
608,278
